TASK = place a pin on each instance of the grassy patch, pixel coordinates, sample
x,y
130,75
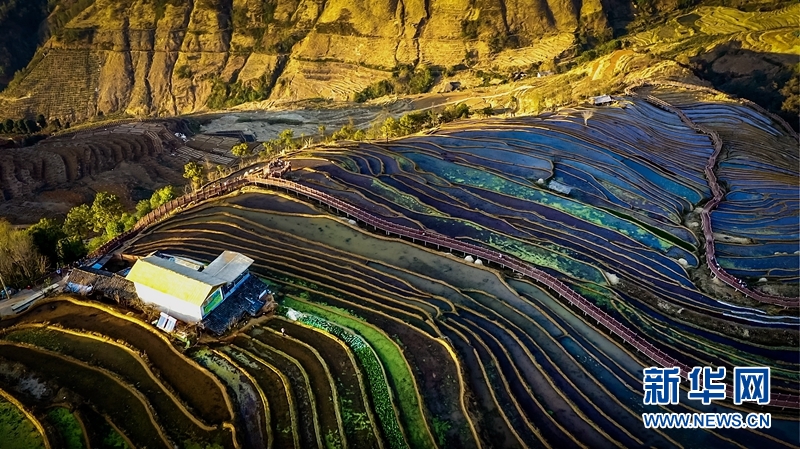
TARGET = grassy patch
x,y
392,359
68,426
16,431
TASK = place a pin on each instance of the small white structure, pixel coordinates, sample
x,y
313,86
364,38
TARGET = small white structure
x,y
185,289
602,99
560,188
469,259
478,262
166,323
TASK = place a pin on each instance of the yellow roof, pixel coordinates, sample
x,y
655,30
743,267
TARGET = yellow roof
x,y
173,279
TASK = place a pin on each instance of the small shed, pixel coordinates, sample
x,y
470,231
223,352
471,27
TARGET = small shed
x,y
602,100
451,86
86,281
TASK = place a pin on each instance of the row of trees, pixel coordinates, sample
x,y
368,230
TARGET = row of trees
x,y
26,255
28,126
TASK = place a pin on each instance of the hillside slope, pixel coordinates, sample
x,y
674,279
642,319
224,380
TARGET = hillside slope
x,y
168,57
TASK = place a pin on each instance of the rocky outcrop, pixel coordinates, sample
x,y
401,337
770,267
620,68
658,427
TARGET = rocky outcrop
x,y
168,57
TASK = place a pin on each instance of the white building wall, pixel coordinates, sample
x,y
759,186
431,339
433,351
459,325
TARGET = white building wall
x,y
169,304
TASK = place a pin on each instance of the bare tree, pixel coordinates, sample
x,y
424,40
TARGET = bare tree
x,y
587,114
20,262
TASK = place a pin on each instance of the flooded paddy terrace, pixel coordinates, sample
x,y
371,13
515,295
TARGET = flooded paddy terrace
x,y
392,344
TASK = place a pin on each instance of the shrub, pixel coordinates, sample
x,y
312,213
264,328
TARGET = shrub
x,y
421,81
231,94
375,90
469,29
194,172
241,150
183,72
405,80
348,132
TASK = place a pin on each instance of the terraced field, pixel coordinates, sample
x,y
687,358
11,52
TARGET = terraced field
x,y
392,334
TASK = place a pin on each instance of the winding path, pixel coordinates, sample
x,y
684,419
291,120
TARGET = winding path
x,y
705,215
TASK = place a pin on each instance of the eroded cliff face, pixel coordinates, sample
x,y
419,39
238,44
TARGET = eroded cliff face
x,y
167,57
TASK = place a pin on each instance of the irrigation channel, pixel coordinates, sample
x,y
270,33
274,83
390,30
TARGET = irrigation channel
x,y
782,400
712,204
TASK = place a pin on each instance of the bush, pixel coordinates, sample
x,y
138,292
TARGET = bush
x,y
348,132
375,90
225,95
458,111
469,29
162,196
183,72
241,150
405,80
20,261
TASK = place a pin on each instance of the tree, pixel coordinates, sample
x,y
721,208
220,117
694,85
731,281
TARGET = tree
x,y
791,93
286,138
106,209
513,106
9,125
114,228
269,149
321,128
194,172
391,128
79,221
20,262
162,196
241,150
41,121
71,249
45,236
31,127
143,208
587,114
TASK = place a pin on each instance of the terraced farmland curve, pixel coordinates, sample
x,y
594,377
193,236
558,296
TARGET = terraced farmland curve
x,y
435,291
711,205
122,381
559,373
441,241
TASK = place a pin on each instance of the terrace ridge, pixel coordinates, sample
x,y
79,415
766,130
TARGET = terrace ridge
x,y
647,348
782,400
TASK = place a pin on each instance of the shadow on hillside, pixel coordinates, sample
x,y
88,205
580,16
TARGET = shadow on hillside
x,y
768,79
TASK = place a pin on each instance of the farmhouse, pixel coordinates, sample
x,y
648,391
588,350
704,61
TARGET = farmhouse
x,y
215,296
